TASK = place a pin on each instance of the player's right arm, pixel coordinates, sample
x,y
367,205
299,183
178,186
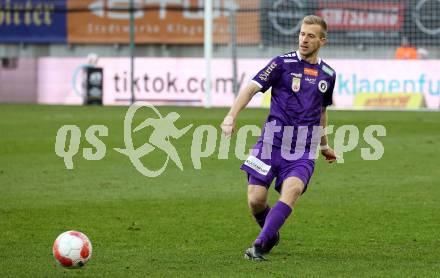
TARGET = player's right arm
x,y
243,98
262,81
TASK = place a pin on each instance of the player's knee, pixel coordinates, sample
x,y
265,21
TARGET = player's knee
x,y
257,197
293,191
256,202
297,190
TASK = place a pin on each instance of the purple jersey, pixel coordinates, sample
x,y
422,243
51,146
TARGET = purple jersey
x,y
299,91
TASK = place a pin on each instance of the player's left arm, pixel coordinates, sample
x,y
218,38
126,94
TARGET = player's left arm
x,y
326,151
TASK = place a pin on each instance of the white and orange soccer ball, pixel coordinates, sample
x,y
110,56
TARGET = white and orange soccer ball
x,y
72,249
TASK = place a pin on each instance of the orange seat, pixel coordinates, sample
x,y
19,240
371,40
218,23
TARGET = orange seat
x,y
406,52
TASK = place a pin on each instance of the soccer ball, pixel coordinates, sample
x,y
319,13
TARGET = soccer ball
x,y
72,249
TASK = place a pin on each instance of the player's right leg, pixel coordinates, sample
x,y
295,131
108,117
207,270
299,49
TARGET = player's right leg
x,y
260,175
257,202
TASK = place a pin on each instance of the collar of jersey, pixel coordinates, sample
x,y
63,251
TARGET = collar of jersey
x,y
299,58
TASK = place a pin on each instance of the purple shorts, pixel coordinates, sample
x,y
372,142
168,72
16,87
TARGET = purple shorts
x,y
263,170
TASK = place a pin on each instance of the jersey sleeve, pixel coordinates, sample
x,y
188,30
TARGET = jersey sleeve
x,y
269,75
328,96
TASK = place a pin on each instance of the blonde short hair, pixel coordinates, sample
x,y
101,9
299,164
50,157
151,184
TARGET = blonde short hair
x,y
314,19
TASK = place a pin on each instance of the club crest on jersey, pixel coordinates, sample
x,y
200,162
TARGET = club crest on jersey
x,y
296,82
323,86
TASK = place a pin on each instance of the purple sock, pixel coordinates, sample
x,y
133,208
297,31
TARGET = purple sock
x,y
261,216
274,220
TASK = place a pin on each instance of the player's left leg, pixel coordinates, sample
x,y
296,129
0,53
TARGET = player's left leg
x,y
292,188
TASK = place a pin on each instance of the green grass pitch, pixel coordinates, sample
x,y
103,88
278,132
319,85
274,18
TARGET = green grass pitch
x,y
358,219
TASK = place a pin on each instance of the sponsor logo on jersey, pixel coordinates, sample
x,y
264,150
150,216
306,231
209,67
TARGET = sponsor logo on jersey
x,y
328,70
323,86
311,80
309,71
266,73
290,61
